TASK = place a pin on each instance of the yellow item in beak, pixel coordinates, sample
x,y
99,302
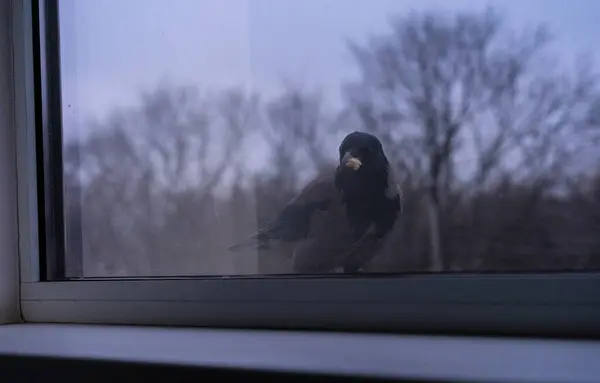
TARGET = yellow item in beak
x,y
353,163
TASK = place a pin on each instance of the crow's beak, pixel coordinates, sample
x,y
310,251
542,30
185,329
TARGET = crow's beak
x,y
351,162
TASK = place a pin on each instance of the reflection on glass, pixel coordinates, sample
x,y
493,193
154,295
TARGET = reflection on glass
x,y
190,125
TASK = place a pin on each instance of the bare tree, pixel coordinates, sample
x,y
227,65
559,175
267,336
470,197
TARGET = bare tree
x,y
454,95
296,134
148,176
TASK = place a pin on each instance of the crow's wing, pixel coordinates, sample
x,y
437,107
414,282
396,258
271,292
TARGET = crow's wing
x,y
315,221
373,240
293,223
329,239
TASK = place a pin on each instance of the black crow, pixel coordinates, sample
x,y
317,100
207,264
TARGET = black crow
x,y
339,220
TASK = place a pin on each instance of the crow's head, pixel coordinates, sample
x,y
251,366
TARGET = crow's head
x,y
363,167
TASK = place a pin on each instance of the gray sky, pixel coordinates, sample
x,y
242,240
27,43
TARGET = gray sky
x,y
113,48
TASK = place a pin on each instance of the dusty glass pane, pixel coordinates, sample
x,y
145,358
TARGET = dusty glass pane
x,y
189,125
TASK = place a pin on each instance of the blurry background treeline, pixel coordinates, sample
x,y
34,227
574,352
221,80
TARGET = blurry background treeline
x,y
493,138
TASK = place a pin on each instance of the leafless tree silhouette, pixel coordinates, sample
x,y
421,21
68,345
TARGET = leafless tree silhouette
x,y
493,143
462,103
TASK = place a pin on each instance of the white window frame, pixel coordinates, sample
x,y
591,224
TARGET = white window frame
x,y
567,304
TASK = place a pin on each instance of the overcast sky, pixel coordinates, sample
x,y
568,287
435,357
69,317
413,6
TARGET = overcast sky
x,y
113,48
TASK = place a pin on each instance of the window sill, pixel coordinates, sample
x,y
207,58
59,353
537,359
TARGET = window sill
x,y
433,358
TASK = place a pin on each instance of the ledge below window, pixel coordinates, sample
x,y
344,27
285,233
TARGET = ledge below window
x,y
342,355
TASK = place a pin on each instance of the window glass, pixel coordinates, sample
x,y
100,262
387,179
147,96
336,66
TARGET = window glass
x,y
190,125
